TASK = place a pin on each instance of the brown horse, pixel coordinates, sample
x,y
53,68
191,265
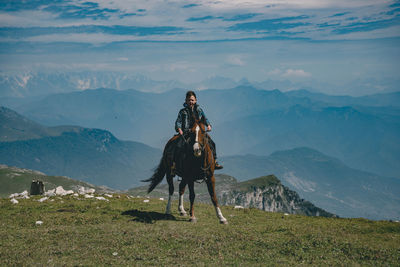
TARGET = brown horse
x,y
198,164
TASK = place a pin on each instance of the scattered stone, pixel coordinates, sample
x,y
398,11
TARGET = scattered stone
x,y
14,201
161,198
39,222
89,196
286,214
146,201
239,207
108,195
115,254
20,195
76,195
83,191
43,199
102,198
50,193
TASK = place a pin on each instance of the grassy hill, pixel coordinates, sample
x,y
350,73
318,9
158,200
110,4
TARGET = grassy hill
x,y
126,231
16,180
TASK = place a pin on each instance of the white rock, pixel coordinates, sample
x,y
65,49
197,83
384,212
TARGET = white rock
x,y
14,201
60,191
23,194
91,191
39,222
81,190
146,200
115,253
43,199
286,214
108,195
102,198
50,193
161,198
239,207
89,196
13,195
76,195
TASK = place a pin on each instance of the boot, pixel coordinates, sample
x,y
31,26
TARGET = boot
x,y
218,166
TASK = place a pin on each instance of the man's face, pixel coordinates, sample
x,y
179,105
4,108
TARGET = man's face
x,y
191,101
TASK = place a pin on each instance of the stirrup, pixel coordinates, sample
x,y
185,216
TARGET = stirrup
x,y
218,166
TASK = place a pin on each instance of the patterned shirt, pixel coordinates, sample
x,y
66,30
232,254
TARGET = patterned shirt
x,y
185,118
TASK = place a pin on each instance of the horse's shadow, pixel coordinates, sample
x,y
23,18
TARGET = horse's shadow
x,y
148,216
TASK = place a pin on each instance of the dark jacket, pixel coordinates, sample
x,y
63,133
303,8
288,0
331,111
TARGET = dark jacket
x,y
185,119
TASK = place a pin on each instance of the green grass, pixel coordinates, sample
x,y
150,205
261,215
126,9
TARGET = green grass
x,y
87,232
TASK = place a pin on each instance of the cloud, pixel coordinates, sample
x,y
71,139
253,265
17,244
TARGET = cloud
x,y
270,25
202,20
290,73
235,60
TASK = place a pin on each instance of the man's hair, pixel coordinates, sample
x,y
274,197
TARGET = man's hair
x,y
190,93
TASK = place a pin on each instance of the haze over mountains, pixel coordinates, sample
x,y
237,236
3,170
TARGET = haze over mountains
x,y
92,155
337,151
364,132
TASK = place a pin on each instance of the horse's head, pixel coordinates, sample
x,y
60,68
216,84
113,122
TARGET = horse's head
x,y
199,132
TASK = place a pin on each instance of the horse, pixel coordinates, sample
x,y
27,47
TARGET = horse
x,y
198,164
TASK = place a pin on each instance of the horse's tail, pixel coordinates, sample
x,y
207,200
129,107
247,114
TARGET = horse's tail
x,y
158,175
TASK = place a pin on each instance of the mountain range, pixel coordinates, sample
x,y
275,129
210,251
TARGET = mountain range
x,y
98,157
91,155
324,180
363,132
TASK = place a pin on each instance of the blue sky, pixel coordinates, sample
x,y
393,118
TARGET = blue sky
x,y
331,43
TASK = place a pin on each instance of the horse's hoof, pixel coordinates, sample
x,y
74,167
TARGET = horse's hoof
x,y
193,220
223,222
183,214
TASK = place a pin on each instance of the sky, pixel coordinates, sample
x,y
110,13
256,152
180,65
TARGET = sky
x,y
333,46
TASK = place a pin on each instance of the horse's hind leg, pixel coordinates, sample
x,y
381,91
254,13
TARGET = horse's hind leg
x,y
171,192
182,186
211,191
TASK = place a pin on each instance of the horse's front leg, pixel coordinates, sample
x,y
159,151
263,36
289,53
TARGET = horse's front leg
x,y
182,186
171,192
211,191
192,196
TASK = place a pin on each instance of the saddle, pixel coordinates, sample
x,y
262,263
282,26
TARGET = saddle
x,y
174,150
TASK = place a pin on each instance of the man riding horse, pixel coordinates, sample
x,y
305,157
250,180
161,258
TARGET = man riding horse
x,y
193,151
184,123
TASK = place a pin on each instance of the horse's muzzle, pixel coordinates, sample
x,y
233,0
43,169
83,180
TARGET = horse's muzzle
x,y
196,150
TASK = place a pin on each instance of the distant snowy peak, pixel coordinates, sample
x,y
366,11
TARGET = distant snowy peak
x,y
41,83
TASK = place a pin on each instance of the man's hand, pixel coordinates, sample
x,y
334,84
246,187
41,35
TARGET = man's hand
x,y
209,128
180,131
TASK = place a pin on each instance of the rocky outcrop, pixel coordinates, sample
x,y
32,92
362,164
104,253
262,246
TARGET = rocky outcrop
x,y
268,194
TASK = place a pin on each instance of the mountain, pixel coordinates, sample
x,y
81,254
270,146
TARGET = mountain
x,y
375,100
14,126
362,140
264,193
16,180
40,83
245,120
92,155
325,181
